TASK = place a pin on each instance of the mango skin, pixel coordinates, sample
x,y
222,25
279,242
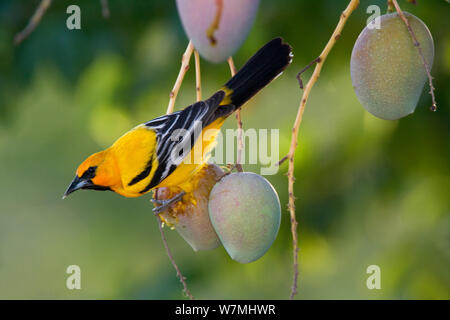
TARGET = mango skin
x,y
386,69
234,25
190,217
245,212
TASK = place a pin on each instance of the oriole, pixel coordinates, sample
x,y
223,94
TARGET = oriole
x,y
140,160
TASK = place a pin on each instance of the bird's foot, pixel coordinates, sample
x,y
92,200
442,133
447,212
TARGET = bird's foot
x,y
164,204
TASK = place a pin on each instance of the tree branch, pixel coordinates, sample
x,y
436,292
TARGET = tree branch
x,y
34,21
419,48
353,4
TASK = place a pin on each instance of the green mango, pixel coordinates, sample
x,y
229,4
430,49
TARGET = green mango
x,y
245,212
387,71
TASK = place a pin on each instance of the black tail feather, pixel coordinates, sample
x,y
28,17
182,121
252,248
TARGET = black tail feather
x,y
260,70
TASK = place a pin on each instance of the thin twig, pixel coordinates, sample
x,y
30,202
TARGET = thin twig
x,y
198,79
353,4
105,9
419,48
240,146
279,163
169,253
184,67
34,21
299,74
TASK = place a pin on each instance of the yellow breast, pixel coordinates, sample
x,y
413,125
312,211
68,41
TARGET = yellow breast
x,y
133,154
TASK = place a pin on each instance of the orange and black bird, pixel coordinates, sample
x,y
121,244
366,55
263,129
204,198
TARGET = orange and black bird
x,y
143,158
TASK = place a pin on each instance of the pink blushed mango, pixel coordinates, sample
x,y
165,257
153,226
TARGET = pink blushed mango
x,y
245,212
217,28
190,217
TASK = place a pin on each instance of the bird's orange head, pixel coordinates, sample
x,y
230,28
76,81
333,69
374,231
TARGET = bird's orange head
x,y
98,172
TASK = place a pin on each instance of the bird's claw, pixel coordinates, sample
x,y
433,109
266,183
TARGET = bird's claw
x,y
164,204
158,201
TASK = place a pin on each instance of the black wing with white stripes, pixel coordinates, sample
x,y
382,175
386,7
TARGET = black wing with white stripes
x,y
177,130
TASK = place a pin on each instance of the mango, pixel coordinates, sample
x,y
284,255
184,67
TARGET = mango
x,y
217,28
387,71
190,216
245,212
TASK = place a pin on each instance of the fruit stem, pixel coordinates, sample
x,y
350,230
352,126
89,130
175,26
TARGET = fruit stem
x,y
319,61
184,68
419,48
390,6
239,123
198,79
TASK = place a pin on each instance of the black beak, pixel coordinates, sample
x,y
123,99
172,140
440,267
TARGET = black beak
x,y
76,184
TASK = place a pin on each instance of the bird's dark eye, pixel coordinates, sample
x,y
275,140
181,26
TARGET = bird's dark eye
x,y
89,173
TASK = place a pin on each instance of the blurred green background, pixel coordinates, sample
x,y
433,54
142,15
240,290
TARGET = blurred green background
x,y
368,191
